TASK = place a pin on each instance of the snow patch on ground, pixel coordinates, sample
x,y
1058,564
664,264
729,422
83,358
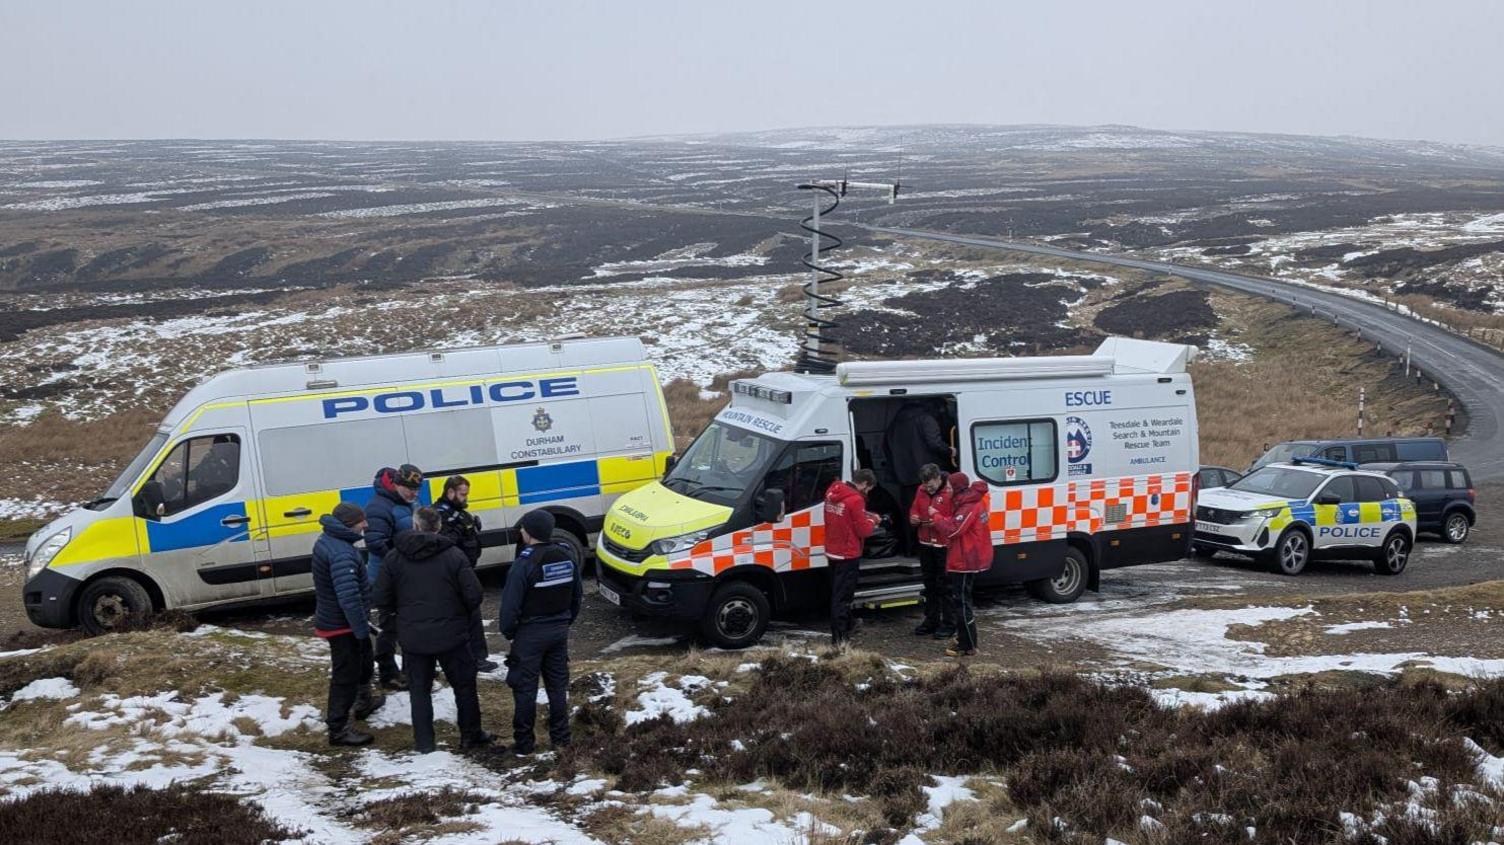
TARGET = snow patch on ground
x,y
45,688
1349,627
659,698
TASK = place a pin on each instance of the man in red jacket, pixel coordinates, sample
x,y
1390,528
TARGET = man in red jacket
x,y
931,515
847,524
970,552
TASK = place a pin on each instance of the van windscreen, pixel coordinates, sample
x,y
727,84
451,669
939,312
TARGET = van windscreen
x,y
134,469
722,463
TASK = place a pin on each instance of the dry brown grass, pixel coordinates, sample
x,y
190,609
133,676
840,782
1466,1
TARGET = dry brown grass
x,y
690,412
1480,326
52,438
1302,382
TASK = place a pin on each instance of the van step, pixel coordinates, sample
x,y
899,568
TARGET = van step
x,y
888,594
885,578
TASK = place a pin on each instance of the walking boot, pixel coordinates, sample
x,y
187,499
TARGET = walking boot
x,y
367,702
350,736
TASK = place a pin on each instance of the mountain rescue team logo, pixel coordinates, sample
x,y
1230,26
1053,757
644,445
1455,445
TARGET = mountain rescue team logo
x,y
1077,445
542,421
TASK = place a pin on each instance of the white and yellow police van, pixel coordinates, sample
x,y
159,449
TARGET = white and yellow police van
x,y
1291,513
1090,459
222,505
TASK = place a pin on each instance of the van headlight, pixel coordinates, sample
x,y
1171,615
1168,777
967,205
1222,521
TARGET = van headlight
x,y
683,542
47,551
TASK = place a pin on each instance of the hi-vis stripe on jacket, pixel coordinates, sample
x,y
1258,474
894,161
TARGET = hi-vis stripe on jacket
x,y
1021,515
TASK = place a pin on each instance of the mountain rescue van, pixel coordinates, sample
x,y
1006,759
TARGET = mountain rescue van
x,y
1090,459
223,504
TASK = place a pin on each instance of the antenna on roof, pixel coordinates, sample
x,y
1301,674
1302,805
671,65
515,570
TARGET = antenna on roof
x,y
818,353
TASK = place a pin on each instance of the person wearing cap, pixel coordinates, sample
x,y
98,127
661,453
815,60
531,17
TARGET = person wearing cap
x,y
541,600
430,588
342,600
389,513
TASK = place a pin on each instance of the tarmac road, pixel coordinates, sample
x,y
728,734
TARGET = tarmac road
x,y
1474,373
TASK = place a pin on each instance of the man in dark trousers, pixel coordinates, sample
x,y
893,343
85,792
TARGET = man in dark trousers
x,y
342,599
913,439
463,527
847,524
540,601
932,514
389,513
430,588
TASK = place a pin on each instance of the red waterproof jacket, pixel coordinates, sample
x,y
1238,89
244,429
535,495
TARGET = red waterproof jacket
x,y
933,528
847,522
971,541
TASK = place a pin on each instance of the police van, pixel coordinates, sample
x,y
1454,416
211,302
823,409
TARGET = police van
x,y
1290,513
223,503
1091,462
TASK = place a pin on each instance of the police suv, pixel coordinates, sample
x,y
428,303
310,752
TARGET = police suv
x,y
1288,513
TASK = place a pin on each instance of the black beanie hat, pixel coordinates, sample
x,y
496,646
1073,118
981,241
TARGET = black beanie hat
x,y
539,525
349,514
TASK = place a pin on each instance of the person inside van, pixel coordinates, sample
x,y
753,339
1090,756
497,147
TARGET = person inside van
x,y
429,587
463,527
388,513
847,524
341,617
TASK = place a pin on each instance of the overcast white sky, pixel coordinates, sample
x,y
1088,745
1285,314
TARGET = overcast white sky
x,y
471,69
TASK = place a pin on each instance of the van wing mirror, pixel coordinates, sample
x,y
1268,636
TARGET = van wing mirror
x,y
669,463
769,507
147,504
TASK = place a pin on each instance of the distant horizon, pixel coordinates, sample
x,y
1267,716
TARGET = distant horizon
x,y
670,136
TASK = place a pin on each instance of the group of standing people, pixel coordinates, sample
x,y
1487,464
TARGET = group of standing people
x,y
949,517
414,568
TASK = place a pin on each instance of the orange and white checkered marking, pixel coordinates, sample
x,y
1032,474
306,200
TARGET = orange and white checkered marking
x,y
1018,515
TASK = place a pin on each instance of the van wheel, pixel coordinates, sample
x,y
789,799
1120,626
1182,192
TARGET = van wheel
x,y
572,545
112,603
737,616
1068,585
1394,555
1456,527
1291,552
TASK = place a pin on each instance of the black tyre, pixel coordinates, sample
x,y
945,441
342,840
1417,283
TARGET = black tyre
x,y
574,545
112,603
1068,585
1201,552
1456,527
1394,555
736,617
1291,552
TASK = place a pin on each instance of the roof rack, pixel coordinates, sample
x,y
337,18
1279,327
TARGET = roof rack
x,y
1325,462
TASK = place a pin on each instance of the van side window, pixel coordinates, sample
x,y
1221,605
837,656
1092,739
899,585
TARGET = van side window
x,y
1015,452
1334,453
195,471
1369,453
803,472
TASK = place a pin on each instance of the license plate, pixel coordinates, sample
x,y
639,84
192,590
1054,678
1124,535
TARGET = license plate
x,y
609,594
1210,527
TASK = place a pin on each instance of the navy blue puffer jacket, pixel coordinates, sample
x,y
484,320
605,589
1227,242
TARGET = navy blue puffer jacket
x,y
387,515
341,592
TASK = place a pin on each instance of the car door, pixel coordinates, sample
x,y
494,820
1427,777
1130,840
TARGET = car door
x,y
1431,495
1379,508
199,515
1336,506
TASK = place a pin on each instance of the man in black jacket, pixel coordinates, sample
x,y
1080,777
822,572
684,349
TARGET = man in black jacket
x,y
463,527
431,589
914,438
540,601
